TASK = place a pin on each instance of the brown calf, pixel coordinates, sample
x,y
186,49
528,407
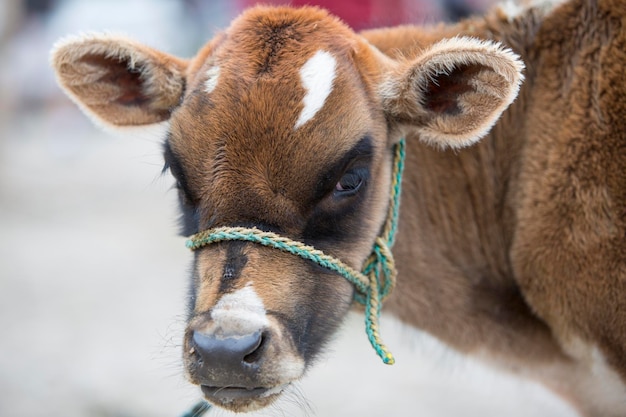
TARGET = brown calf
x,y
512,251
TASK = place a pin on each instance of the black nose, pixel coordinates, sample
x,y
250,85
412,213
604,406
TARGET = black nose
x,y
233,355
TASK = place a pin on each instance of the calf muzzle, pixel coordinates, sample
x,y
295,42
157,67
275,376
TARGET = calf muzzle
x,y
229,368
229,360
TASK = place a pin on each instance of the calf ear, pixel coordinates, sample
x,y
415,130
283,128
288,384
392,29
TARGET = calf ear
x,y
454,91
119,82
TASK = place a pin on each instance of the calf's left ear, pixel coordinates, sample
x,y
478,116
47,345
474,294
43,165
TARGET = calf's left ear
x,y
454,91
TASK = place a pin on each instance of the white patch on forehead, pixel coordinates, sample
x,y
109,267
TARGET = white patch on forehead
x,y
213,75
239,312
317,76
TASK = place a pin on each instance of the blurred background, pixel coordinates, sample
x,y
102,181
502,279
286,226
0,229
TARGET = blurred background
x,y
93,274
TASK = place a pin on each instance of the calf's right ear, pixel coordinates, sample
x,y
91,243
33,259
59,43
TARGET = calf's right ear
x,y
119,82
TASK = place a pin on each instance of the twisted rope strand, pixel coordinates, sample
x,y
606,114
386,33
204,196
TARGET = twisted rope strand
x,y
391,225
378,277
282,243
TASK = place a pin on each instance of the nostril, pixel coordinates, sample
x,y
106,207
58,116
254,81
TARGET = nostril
x,y
256,353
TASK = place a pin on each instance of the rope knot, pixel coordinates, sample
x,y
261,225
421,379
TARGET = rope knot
x,y
381,271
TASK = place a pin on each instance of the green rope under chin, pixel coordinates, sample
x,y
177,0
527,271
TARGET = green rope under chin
x,y
372,284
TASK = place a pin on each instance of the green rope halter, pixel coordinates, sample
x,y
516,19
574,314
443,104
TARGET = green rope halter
x,y
377,277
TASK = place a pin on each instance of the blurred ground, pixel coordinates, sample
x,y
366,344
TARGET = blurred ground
x,y
93,276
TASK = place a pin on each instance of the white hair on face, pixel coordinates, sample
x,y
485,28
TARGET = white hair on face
x,y
317,76
240,312
213,74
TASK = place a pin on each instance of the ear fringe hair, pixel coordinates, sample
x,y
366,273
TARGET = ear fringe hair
x,y
162,76
404,93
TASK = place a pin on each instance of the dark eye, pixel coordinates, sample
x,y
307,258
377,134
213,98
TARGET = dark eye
x,y
351,182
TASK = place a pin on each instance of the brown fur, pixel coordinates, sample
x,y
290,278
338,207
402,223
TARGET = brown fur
x,y
512,250
544,196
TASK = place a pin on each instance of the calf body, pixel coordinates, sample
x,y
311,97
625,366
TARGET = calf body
x,y
522,235
511,250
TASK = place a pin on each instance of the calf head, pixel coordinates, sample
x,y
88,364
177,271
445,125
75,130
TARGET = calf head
x,y
284,122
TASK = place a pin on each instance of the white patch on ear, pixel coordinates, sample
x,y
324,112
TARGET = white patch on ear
x,y
240,312
213,75
317,76
512,9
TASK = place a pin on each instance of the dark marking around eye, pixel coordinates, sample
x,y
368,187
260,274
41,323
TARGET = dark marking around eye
x,y
188,206
362,150
337,215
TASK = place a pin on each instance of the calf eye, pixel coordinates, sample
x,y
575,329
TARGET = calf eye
x,y
351,182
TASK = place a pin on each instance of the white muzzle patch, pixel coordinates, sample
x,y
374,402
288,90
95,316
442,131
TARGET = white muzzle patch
x,y
240,312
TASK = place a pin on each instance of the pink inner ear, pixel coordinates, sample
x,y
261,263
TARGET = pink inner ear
x,y
127,81
444,89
